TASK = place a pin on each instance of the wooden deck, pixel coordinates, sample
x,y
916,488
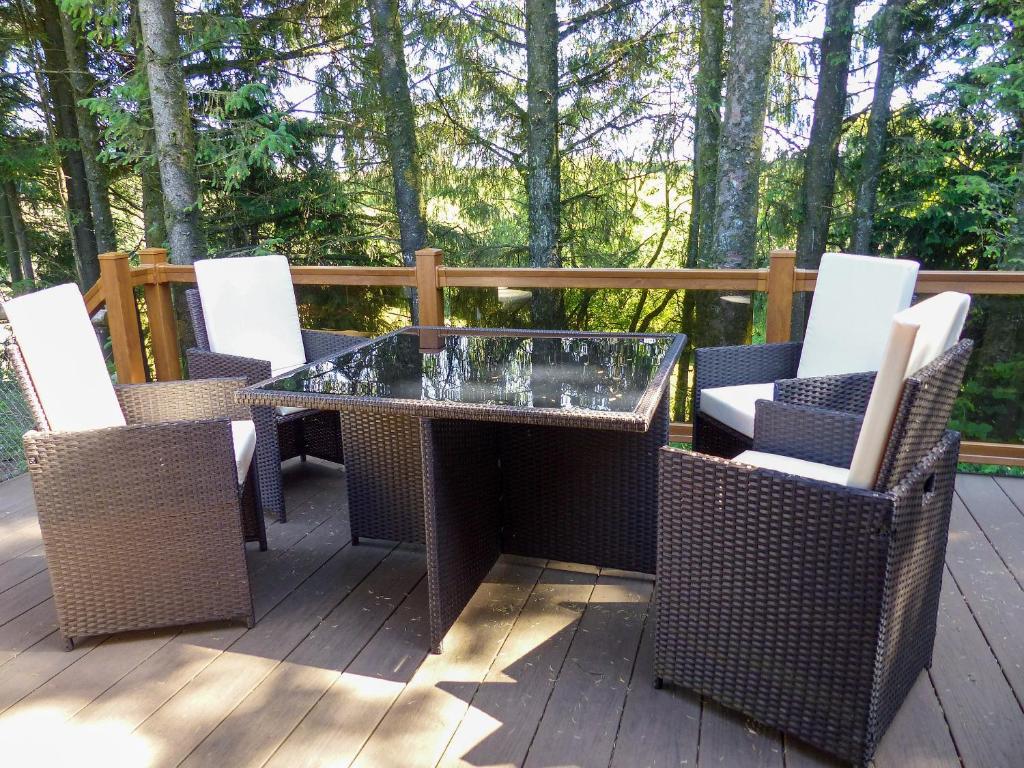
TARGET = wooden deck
x,y
549,665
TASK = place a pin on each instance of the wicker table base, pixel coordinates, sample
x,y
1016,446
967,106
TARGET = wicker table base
x,y
472,490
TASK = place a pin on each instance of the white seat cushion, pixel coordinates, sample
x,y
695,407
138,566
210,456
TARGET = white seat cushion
x,y
791,466
64,359
250,311
734,406
243,437
288,410
855,298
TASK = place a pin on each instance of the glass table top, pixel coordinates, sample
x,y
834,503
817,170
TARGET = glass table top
x,y
520,370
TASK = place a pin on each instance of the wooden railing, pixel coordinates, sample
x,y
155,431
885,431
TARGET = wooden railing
x,y
779,281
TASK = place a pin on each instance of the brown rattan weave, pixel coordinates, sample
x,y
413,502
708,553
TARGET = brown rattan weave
x,y
807,605
141,524
278,437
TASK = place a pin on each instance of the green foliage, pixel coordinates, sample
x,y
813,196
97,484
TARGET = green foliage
x,y
292,151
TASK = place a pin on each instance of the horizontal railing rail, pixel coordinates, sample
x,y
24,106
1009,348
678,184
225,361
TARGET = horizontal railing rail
x,y
780,281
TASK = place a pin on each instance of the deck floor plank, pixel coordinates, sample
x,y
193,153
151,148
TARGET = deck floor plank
x,y
585,707
256,728
659,727
984,717
363,694
1014,488
995,599
24,566
192,713
997,516
729,738
427,713
21,597
337,671
919,736
508,706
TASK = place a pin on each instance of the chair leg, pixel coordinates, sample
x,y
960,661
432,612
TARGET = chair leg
x,y
355,541
659,683
69,642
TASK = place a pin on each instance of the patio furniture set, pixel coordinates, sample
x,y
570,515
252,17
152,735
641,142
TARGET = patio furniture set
x,y
797,551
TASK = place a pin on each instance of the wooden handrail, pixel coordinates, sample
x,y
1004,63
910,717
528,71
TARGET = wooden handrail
x,y
780,281
94,298
375,276
528,277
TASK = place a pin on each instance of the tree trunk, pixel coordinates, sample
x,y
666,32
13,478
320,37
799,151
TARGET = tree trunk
x,y
739,155
20,233
82,86
543,179
819,180
706,128
154,221
174,137
10,242
65,125
890,26
701,307
400,124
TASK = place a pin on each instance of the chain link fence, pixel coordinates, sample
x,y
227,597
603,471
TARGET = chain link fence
x,y
14,415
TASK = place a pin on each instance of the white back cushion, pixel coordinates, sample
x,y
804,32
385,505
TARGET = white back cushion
x,y
250,311
64,359
855,298
941,320
919,335
881,410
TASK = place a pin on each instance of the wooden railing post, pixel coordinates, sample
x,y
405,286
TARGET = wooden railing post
x,y
781,282
122,317
431,297
162,323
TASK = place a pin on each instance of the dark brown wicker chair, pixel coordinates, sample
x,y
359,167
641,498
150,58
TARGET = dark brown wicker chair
x,y
809,605
279,436
855,299
143,523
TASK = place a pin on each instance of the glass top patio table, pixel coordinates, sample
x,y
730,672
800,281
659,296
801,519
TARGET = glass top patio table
x,y
597,380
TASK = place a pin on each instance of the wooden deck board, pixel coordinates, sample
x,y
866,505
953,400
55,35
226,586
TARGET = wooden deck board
x,y
586,704
995,599
342,721
422,720
659,727
998,517
544,667
507,708
258,726
983,715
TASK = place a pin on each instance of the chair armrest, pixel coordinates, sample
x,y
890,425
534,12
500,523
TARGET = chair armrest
x,y
324,343
845,392
697,490
147,462
811,434
752,364
213,365
191,400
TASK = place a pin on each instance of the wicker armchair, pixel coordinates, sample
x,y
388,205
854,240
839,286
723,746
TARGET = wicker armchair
x,y
787,592
138,488
282,433
855,299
